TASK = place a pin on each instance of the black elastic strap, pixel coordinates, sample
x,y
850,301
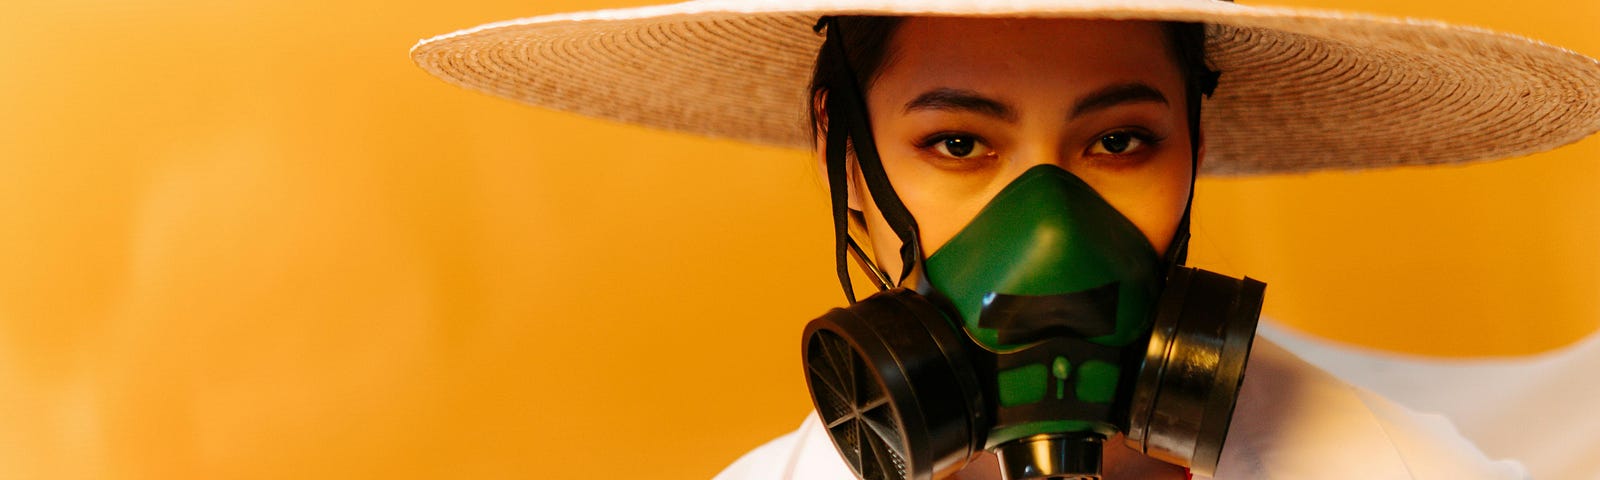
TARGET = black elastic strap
x,y
1178,251
837,191
1202,84
847,117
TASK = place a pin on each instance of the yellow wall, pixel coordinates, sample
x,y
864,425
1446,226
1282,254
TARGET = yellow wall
x,y
248,239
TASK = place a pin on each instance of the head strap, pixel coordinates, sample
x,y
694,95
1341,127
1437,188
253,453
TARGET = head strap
x,y
848,125
1202,83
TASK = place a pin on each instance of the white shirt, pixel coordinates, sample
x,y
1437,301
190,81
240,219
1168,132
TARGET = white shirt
x,y
1293,421
1538,409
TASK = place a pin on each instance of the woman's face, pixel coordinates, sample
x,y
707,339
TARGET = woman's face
x,y
961,107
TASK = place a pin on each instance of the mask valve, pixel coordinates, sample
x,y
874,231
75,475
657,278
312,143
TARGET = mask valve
x,y
1063,456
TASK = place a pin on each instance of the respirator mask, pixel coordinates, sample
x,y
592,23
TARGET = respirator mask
x,y
1045,326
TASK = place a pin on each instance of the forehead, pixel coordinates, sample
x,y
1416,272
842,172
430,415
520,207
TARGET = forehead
x,y
997,54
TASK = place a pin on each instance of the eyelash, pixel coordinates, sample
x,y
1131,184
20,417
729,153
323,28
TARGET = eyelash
x,y
929,146
1146,139
934,139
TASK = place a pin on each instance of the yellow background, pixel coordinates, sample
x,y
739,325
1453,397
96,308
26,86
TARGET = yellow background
x,y
249,239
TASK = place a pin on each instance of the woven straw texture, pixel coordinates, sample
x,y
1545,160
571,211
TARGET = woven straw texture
x,y
1301,90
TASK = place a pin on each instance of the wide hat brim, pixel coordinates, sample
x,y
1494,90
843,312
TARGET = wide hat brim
x,y
1301,90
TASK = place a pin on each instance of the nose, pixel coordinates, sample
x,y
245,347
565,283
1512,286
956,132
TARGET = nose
x,y
1035,149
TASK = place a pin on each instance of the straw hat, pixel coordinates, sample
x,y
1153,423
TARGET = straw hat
x,y
1301,90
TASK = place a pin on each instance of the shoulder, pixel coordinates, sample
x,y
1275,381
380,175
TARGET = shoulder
x,y
804,454
1295,420
765,462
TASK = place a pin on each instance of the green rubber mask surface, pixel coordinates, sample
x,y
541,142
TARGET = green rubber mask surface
x,y
1048,233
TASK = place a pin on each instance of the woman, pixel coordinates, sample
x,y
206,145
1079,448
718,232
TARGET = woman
x,y
931,127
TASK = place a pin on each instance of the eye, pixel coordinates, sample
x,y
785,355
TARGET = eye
x,y
958,146
1120,143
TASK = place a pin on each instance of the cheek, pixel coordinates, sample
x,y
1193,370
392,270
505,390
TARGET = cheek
x,y
1152,198
942,202
1157,217
939,216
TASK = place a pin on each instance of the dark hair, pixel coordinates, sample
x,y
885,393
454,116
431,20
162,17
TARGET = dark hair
x,y
866,39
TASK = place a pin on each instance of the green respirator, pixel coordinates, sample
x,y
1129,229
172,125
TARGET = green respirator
x,y
1045,326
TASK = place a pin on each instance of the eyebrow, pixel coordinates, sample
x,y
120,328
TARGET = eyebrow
x,y
961,100
955,99
1119,94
